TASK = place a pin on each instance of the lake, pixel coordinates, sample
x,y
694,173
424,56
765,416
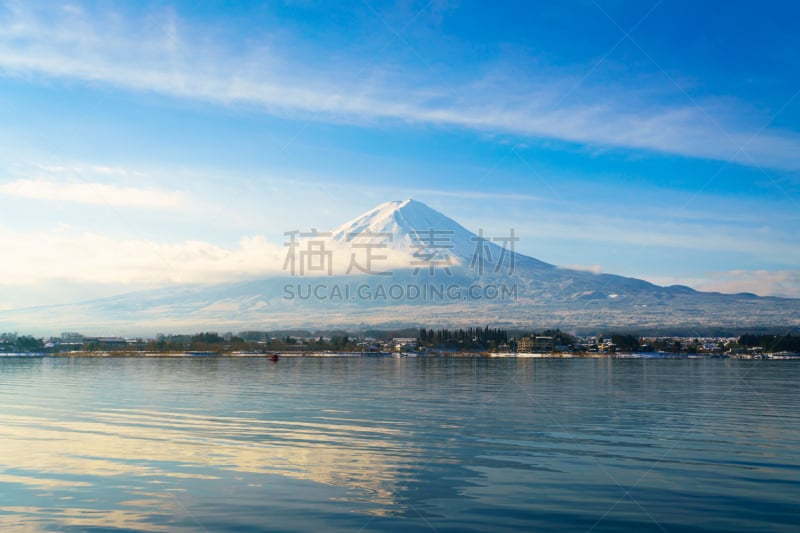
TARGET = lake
x,y
398,444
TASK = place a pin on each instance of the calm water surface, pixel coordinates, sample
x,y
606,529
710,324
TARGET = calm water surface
x,y
391,444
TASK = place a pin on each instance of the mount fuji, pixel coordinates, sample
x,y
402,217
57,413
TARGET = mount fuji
x,y
405,264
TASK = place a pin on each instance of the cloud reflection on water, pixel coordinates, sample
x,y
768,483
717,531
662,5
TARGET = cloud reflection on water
x,y
142,449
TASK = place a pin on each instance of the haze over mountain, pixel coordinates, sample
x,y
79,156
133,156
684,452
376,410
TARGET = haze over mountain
x,y
400,264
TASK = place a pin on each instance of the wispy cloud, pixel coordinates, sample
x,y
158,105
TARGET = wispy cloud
x,y
177,60
476,195
595,269
84,169
92,193
619,229
783,283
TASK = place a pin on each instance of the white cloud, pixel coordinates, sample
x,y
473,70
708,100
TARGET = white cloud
x,y
785,283
177,60
594,269
83,170
70,255
92,193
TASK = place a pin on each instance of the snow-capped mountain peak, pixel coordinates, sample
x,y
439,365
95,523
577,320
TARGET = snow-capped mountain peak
x,y
398,217
408,224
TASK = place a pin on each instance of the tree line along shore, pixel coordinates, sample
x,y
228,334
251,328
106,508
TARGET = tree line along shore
x,y
473,340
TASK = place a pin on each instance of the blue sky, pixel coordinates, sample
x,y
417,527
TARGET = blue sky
x,y
145,143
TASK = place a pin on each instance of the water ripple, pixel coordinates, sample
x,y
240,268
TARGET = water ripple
x,y
165,444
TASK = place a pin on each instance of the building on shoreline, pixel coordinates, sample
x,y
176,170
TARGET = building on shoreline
x,y
539,344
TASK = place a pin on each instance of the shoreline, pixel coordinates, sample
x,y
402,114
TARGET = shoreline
x,y
411,355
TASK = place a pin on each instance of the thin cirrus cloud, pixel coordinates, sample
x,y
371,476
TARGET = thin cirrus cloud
x,y
665,234
92,193
107,49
